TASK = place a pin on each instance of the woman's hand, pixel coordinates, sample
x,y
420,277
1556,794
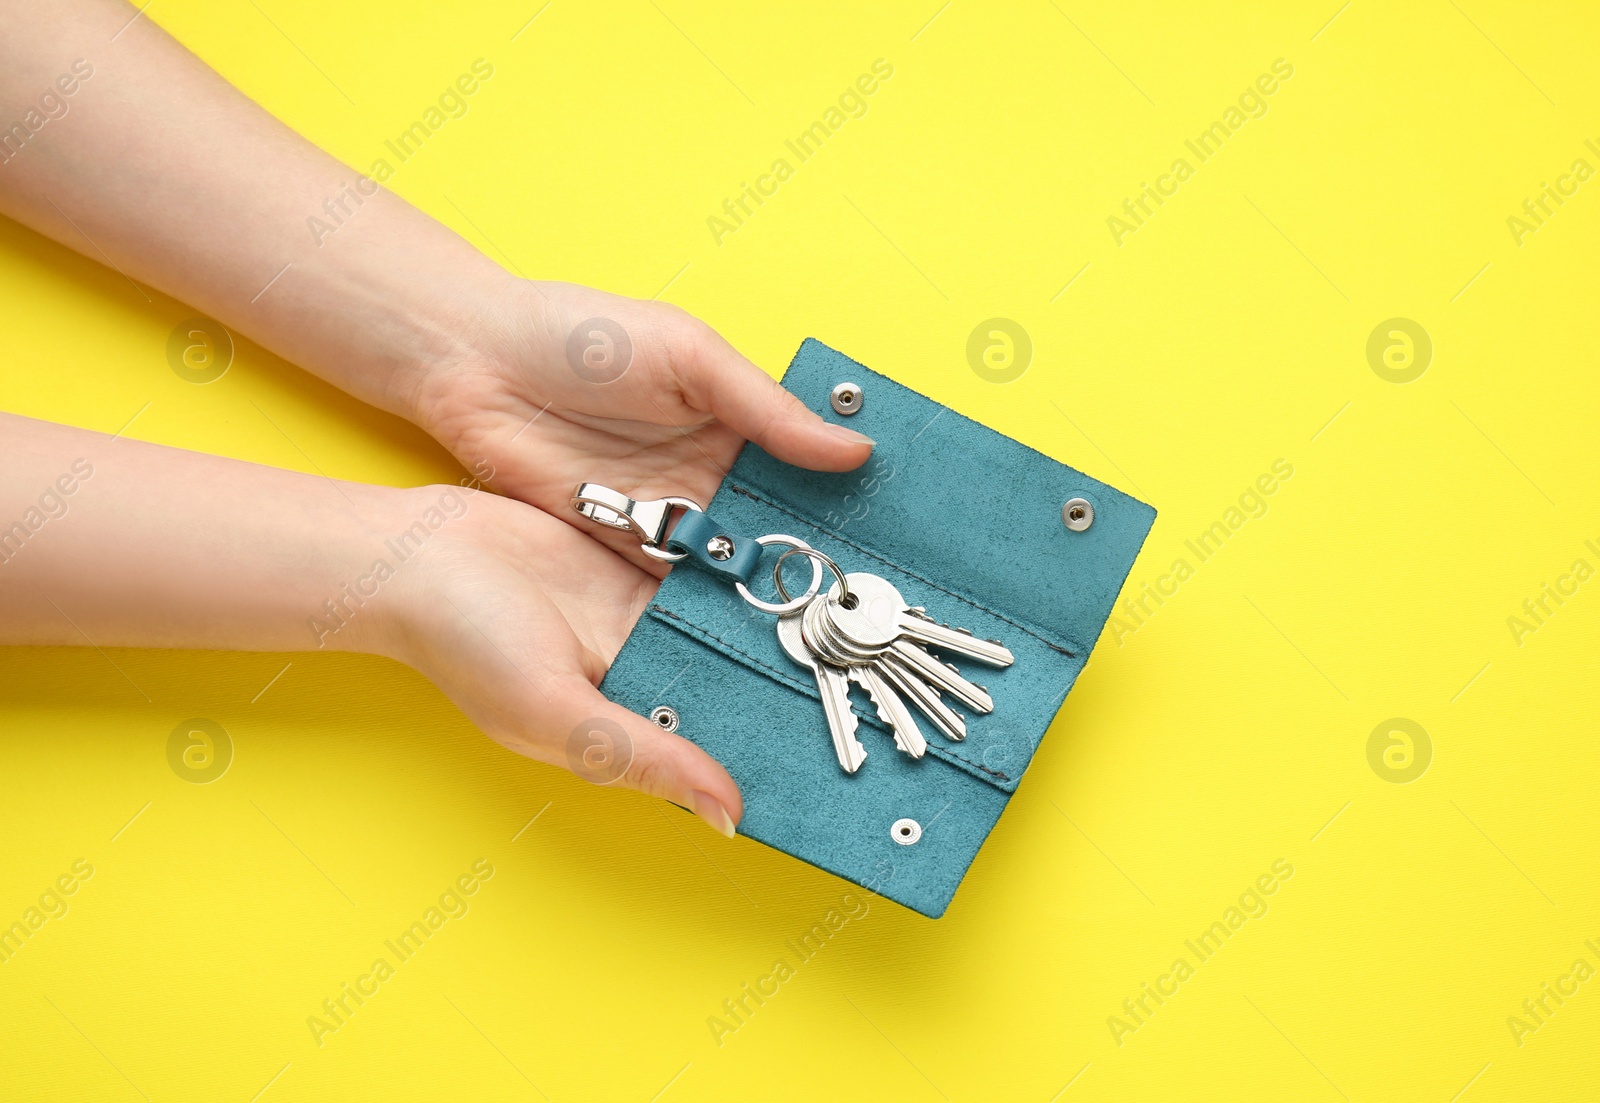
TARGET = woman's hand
x,y
516,617
513,614
180,181
545,385
566,384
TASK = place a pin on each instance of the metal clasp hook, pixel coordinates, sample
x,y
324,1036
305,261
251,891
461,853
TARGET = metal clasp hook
x,y
646,520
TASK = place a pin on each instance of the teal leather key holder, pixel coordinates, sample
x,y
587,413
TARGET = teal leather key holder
x,y
984,533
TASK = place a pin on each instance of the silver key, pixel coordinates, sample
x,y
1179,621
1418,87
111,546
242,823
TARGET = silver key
x,y
940,676
880,616
891,710
833,685
907,667
825,643
862,668
916,625
925,697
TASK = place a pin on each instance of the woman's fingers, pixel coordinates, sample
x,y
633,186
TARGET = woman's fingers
x,y
608,745
714,377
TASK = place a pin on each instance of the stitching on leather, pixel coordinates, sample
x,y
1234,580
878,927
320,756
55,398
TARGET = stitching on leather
x,y
753,496
946,752
699,633
695,630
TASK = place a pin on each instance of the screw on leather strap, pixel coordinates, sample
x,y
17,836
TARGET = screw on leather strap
x,y
702,538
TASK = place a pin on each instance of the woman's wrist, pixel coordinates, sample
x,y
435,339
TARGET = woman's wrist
x,y
180,182
403,304
395,580
122,543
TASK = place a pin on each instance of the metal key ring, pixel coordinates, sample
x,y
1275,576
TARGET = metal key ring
x,y
788,605
816,557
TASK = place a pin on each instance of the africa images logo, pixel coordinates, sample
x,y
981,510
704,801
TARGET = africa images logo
x,y
851,104
1138,1010
1251,104
452,103
338,1010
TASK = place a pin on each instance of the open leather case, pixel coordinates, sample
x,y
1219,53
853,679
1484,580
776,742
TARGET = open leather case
x,y
963,521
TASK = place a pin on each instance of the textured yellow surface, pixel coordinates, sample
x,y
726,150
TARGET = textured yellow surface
x,y
1256,715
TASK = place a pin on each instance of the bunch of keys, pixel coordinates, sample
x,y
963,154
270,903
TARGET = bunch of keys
x,y
862,631
859,631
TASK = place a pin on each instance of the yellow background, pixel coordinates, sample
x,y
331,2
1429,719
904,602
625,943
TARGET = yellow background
x,y
1229,731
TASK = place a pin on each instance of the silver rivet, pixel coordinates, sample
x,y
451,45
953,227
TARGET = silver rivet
x,y
847,398
906,832
1078,514
719,548
665,717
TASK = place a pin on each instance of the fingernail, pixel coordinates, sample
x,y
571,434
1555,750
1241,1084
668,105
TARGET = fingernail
x,y
710,809
850,436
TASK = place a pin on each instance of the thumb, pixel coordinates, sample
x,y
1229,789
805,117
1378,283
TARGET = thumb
x,y
715,378
608,745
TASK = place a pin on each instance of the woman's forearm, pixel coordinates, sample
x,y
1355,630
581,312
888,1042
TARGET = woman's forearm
x,y
513,614
150,164
118,543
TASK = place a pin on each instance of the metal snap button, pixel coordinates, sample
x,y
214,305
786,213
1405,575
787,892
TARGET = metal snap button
x,y
906,832
1078,514
847,398
665,717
